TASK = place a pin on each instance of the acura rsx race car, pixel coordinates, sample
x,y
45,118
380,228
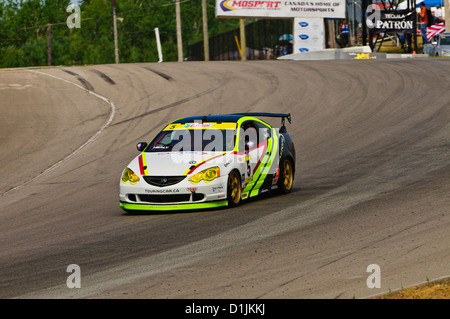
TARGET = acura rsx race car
x,y
209,161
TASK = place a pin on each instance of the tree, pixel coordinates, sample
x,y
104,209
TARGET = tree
x,y
24,25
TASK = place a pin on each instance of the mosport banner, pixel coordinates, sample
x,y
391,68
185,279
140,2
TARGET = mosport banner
x,y
280,9
401,21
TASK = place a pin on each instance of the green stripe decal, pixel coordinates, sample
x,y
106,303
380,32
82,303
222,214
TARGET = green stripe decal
x,y
250,188
173,207
267,164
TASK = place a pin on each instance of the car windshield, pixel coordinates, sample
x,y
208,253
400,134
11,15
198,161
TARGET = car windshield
x,y
445,41
193,140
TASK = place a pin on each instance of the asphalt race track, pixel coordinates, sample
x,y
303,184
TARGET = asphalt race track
x,y
372,184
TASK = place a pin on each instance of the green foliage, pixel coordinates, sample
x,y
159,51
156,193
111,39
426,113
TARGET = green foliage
x,y
24,27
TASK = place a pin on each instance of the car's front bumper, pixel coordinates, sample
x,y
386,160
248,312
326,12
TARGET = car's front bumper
x,y
181,196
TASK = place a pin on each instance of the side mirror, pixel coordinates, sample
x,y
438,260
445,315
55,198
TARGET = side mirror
x,y
141,146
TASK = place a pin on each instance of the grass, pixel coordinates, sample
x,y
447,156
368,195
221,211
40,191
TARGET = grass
x,y
389,47
433,290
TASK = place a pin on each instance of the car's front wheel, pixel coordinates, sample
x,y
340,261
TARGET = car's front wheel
x,y
234,189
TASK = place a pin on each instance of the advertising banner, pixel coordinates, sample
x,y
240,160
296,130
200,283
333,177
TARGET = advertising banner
x,y
280,9
401,21
309,34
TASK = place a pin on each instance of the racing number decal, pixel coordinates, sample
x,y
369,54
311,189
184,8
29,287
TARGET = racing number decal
x,y
265,156
247,177
249,167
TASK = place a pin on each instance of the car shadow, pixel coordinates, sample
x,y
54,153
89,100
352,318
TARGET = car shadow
x,y
261,197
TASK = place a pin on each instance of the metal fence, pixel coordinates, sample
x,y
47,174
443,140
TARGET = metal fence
x,y
266,39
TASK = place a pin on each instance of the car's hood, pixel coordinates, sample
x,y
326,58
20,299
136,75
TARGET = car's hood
x,y
176,163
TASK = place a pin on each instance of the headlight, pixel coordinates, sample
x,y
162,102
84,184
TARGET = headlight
x,y
207,175
129,175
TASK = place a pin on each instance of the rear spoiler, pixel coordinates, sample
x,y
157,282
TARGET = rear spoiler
x,y
282,115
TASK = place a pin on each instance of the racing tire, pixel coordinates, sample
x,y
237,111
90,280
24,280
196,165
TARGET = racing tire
x,y
286,179
234,189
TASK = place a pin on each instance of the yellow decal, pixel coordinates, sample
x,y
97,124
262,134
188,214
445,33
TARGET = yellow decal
x,y
363,56
193,126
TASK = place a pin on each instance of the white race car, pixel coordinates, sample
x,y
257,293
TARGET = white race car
x,y
209,161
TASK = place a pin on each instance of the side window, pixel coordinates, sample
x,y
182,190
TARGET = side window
x,y
264,132
248,135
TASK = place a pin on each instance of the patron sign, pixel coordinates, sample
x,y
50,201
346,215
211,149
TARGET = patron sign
x,y
280,9
403,21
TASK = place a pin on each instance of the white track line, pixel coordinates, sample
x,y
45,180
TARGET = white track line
x,y
88,142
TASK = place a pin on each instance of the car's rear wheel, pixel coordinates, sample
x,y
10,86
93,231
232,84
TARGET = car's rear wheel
x,y
234,189
286,179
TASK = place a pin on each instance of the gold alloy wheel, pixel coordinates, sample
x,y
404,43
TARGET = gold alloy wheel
x,y
288,175
234,188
